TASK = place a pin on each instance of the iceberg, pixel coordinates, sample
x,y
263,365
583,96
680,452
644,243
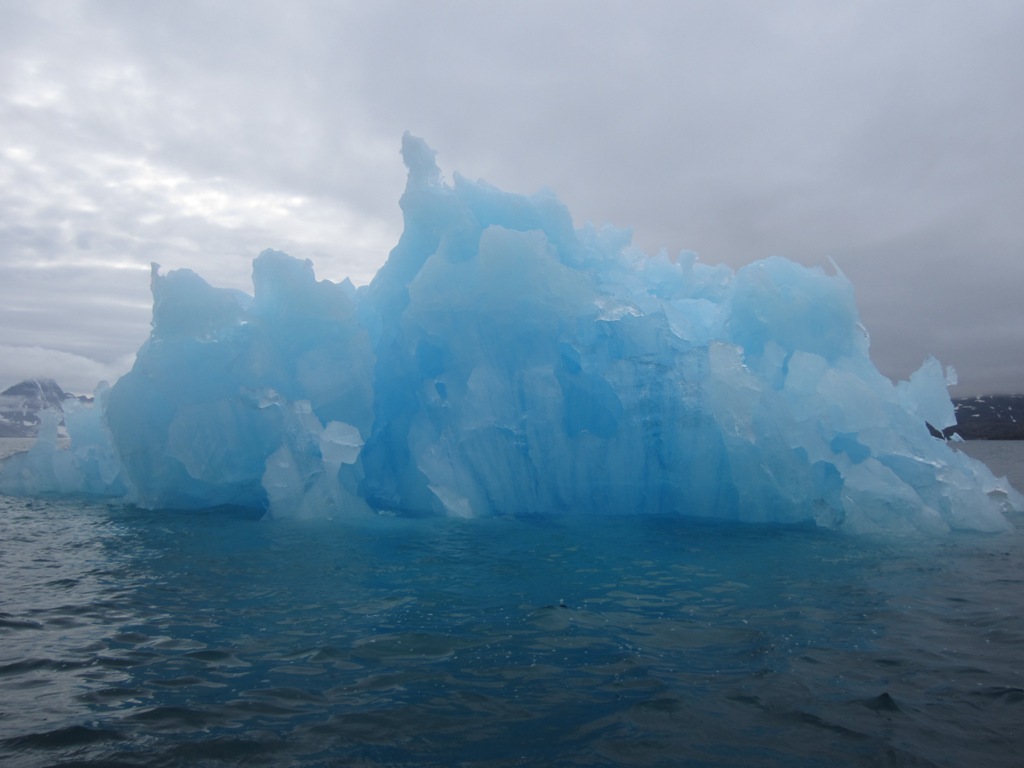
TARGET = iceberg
x,y
505,362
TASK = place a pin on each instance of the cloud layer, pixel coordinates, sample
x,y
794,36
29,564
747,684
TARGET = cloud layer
x,y
887,136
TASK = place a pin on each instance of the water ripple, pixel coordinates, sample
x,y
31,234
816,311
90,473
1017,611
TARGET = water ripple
x,y
190,640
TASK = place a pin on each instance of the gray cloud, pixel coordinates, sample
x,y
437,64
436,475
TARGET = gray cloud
x,y
887,136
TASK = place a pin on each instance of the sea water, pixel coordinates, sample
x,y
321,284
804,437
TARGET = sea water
x,y
137,638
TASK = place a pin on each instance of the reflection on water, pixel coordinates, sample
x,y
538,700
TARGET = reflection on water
x,y
137,638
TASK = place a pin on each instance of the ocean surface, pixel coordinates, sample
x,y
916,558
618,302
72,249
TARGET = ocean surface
x,y
134,638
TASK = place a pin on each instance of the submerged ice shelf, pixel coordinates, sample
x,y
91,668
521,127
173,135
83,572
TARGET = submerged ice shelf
x,y
504,362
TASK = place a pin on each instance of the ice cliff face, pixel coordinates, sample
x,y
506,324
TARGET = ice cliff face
x,y
504,362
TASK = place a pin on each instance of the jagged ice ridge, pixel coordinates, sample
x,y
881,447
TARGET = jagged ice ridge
x,y
504,362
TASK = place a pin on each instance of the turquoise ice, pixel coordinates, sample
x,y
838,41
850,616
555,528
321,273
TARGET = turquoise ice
x,y
504,362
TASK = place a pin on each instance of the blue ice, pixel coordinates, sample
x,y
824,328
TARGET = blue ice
x,y
504,362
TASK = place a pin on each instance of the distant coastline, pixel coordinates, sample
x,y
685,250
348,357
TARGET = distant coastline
x,y
989,417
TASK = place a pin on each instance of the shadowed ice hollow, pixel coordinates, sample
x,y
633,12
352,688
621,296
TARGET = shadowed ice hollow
x,y
504,362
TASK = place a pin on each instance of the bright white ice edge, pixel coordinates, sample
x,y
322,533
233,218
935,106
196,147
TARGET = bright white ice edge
x,y
503,362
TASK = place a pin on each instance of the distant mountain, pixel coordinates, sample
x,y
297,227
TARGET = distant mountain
x,y
20,405
989,417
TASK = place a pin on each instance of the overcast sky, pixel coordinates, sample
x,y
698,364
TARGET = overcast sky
x,y
888,136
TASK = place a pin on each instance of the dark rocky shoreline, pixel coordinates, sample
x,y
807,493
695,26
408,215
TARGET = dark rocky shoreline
x,y
989,417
